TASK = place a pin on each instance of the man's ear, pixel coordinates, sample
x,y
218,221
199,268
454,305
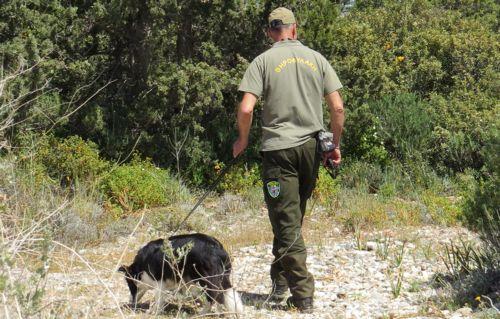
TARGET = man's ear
x,y
123,269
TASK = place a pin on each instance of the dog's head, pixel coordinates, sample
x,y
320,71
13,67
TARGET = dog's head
x,y
132,277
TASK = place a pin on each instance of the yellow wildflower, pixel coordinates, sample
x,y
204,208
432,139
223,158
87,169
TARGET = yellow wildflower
x,y
478,299
400,58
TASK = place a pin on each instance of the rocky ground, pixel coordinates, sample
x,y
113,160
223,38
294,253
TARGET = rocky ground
x,y
356,276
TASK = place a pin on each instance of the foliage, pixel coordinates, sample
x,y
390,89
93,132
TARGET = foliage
x,y
473,272
362,175
420,88
405,125
362,140
26,291
327,189
483,202
138,185
69,159
239,179
441,210
461,132
387,47
27,210
395,272
162,76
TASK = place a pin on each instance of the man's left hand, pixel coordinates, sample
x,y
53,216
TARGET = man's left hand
x,y
334,155
239,146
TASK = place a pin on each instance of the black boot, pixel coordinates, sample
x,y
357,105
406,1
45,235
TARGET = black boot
x,y
304,305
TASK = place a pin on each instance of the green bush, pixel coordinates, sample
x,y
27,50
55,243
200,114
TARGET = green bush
x,y
327,189
140,184
361,139
239,179
482,206
440,209
71,158
441,62
177,105
404,179
363,176
461,131
405,124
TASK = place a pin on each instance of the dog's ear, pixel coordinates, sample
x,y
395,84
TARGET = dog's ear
x,y
123,269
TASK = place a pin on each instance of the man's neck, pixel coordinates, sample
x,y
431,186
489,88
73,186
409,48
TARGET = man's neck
x,y
285,36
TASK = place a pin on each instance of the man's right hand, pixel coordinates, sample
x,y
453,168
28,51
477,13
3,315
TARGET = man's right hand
x,y
334,156
239,146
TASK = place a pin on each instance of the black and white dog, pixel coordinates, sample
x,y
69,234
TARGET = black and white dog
x,y
185,260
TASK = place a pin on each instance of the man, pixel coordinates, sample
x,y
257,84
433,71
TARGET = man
x,y
292,80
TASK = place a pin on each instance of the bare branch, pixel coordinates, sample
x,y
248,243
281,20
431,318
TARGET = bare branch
x,y
177,144
20,71
81,105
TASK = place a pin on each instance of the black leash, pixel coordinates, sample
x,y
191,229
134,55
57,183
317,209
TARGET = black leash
x,y
210,189
331,169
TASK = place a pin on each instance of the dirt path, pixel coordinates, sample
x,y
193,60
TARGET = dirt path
x,y
350,282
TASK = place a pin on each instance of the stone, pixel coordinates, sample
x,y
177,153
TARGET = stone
x,y
341,295
371,245
465,311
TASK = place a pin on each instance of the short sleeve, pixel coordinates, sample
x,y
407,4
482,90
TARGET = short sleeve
x,y
253,81
331,82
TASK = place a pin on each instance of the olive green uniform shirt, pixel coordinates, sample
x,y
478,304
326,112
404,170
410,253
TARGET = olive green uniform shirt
x,y
293,79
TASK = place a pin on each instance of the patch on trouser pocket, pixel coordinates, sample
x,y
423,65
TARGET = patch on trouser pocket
x,y
273,188
271,181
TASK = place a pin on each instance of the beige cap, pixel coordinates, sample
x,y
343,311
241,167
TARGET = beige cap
x,y
282,14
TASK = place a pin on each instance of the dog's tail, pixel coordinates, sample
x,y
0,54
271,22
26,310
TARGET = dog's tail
x,y
232,301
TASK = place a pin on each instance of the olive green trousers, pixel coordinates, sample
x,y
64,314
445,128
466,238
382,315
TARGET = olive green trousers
x,y
289,177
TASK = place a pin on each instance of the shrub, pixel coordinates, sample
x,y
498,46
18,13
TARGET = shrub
x,y
429,54
23,293
26,212
407,179
482,205
78,223
140,184
473,273
474,270
361,139
442,210
239,179
420,175
405,124
446,52
463,122
327,189
362,211
363,176
71,158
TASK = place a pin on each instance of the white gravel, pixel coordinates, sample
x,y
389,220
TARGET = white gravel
x,y
350,283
